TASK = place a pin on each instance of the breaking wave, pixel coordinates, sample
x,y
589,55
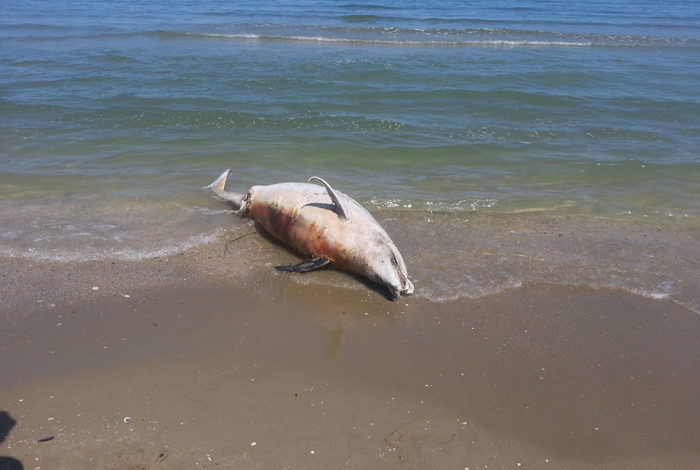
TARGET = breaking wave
x,y
385,35
428,42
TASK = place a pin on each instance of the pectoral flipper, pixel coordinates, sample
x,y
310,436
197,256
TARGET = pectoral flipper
x,y
307,265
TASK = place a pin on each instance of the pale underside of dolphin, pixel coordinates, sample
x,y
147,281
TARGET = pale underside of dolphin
x,y
326,227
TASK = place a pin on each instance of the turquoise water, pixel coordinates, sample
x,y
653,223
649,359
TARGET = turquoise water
x,y
469,128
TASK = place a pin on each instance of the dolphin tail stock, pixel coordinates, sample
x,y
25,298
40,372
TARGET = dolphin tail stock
x,y
217,187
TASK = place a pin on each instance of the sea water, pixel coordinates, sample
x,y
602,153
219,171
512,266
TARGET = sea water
x,y
499,143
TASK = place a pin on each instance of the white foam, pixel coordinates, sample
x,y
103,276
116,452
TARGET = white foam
x,y
462,205
650,294
169,248
395,42
466,290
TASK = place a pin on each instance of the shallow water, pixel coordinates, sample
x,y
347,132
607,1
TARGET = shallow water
x,y
499,145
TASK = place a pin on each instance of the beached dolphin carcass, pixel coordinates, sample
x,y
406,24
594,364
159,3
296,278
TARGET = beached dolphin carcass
x,y
325,226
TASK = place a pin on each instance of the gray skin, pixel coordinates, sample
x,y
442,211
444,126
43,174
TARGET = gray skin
x,y
327,227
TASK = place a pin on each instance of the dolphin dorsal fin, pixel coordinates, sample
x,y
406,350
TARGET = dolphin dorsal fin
x,y
342,215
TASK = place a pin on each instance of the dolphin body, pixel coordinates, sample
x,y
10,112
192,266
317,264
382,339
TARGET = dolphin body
x,y
326,226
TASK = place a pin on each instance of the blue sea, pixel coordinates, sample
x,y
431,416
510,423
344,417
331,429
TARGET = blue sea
x,y
499,143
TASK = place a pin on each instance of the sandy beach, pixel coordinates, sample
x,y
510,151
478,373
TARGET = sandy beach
x,y
179,363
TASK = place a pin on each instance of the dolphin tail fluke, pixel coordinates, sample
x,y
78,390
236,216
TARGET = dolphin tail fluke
x,y
219,183
217,187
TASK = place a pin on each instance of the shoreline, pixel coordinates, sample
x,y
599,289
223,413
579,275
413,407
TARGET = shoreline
x,y
204,363
479,254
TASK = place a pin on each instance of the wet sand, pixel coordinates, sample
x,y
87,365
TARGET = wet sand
x,y
196,361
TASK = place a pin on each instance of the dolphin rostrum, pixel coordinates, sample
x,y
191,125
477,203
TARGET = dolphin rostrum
x,y
325,226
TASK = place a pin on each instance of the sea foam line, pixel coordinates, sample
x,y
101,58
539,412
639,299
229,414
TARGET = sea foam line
x,y
392,42
122,254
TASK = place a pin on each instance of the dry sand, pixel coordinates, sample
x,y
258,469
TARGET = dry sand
x,y
170,365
